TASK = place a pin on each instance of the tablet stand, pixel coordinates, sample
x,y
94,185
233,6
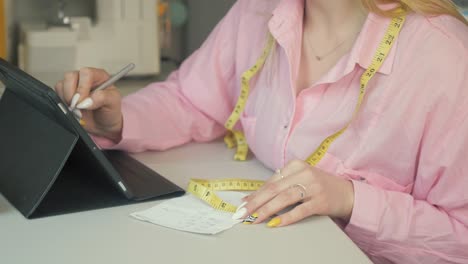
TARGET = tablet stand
x,y
42,171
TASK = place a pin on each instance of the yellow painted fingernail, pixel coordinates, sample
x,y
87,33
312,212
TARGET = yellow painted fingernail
x,y
82,122
274,222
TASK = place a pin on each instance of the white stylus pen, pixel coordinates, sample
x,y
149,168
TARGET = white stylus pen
x,y
104,85
116,77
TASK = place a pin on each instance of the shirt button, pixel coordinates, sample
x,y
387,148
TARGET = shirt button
x,y
285,126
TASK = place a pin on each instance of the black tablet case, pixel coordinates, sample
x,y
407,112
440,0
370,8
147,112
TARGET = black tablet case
x,y
45,167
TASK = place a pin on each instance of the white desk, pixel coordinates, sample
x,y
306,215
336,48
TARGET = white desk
x,y
111,236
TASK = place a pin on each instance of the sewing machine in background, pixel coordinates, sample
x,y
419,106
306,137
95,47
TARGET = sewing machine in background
x,y
124,31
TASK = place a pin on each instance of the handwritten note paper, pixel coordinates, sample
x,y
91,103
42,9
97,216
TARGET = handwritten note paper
x,y
190,214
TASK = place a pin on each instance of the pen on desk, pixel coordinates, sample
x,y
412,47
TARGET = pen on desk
x,y
104,85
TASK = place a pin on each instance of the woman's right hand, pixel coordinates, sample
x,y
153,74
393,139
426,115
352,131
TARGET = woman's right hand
x,y
101,110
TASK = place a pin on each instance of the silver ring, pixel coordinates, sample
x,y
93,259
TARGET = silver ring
x,y
302,189
278,172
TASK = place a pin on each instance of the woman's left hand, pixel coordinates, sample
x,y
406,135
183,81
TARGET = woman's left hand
x,y
319,192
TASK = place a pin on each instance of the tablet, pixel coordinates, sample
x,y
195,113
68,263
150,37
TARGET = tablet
x,y
46,156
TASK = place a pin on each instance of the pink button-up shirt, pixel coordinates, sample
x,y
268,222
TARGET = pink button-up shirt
x,y
407,152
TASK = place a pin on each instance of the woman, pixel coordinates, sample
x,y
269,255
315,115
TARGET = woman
x,y
396,179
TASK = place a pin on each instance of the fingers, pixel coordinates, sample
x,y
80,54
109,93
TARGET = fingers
x,y
255,200
295,215
90,78
292,168
100,99
266,193
276,177
275,191
69,86
77,85
276,195
320,192
286,198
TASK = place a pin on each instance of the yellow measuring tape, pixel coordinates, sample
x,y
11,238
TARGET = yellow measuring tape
x,y
236,138
204,189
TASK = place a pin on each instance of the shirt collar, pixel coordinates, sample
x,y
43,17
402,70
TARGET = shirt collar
x,y
286,26
367,43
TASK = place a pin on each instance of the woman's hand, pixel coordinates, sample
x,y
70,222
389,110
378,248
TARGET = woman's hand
x,y
313,191
101,110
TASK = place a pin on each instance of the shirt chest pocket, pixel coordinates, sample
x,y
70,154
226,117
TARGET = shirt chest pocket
x,y
336,166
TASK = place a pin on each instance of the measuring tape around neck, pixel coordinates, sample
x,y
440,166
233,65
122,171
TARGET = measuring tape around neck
x,y
381,54
204,189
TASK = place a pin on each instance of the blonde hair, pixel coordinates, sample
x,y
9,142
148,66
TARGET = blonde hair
x,y
424,7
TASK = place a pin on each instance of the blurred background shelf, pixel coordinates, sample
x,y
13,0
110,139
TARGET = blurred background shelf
x,y
201,17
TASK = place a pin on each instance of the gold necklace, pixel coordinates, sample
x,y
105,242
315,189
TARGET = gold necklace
x,y
321,57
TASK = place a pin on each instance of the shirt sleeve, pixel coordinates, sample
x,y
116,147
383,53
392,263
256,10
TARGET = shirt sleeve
x,y
430,225
192,104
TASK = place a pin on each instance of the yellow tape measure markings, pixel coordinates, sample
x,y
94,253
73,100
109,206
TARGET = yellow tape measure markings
x,y
237,138
381,54
204,189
